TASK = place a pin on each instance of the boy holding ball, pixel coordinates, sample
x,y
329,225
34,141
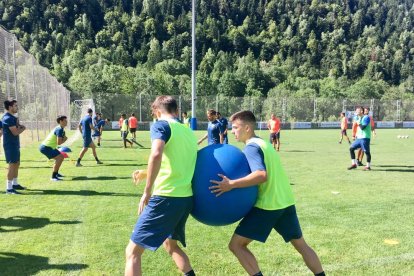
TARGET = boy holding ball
x,y
275,205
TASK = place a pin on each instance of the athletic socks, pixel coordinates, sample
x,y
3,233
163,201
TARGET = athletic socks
x,y
96,158
9,184
15,181
78,160
320,274
354,162
190,273
54,175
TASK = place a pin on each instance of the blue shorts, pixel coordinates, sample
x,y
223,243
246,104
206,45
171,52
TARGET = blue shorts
x,y
162,218
12,155
96,134
48,151
361,143
87,142
258,224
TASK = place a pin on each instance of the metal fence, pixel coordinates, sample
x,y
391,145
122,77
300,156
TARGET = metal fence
x,y
288,109
39,95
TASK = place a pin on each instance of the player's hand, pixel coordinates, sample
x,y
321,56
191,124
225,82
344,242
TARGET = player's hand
x,y
221,186
143,202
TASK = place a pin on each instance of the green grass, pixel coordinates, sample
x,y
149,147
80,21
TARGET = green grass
x,y
81,226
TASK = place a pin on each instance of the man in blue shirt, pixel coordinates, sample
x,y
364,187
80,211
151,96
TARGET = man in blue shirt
x,y
214,129
86,127
224,124
11,145
98,127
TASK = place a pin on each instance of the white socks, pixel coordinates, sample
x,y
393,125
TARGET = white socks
x,y
354,162
9,184
15,181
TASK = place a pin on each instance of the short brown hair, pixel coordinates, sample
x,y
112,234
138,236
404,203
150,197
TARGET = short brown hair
x,y
211,112
165,103
245,116
60,118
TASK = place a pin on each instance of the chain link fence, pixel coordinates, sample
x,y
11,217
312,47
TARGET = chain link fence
x,y
39,95
288,109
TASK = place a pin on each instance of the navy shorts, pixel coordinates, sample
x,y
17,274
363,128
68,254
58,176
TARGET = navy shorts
x,y
274,136
361,143
12,155
96,134
258,224
124,134
87,142
162,218
48,151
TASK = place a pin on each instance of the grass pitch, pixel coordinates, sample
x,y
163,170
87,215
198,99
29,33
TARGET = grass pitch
x,y
359,223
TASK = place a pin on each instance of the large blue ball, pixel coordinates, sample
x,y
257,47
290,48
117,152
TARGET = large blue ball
x,y
230,206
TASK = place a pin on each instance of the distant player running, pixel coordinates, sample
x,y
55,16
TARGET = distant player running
x,y
49,146
344,127
125,130
363,138
274,127
133,125
86,127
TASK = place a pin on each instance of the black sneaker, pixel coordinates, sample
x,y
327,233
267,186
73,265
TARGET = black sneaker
x,y
360,163
55,179
12,192
99,162
79,165
18,187
352,167
59,175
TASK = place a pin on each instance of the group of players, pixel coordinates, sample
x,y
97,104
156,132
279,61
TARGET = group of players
x,y
363,127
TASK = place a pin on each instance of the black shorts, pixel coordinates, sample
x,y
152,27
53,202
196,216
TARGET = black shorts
x,y
132,130
274,136
343,131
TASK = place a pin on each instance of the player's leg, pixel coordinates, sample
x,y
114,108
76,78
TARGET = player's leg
x,y
278,141
355,145
238,246
178,255
133,254
58,162
81,154
309,256
93,147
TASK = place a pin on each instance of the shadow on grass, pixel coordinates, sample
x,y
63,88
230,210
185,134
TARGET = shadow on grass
x,y
20,223
80,193
394,166
20,264
79,178
299,151
394,170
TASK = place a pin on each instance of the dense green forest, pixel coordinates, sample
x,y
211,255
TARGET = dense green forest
x,y
300,48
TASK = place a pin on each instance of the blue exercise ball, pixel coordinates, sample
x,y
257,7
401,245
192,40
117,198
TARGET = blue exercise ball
x,y
65,149
230,206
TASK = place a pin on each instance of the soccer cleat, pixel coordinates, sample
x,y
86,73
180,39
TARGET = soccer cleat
x,y
12,192
340,142
55,179
352,167
79,165
59,175
18,187
367,168
99,162
360,163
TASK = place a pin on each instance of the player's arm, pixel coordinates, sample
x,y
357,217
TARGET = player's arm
x,y
16,130
365,122
80,127
202,139
154,164
226,184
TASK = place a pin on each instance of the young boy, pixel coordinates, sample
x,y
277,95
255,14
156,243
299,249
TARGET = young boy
x,y
133,125
86,127
274,127
125,130
344,127
275,206
11,145
214,129
49,146
168,198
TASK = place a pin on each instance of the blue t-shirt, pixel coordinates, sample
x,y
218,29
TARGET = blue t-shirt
x,y
213,132
161,130
224,123
255,157
9,140
98,125
85,123
365,120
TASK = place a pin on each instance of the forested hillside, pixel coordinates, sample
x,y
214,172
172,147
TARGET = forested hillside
x,y
301,48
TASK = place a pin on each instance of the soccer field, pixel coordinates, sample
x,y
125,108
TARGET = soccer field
x,y
359,222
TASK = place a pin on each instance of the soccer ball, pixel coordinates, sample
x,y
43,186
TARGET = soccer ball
x,y
399,136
